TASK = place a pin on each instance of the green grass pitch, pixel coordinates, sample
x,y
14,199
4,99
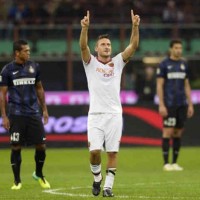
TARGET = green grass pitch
x,y
139,175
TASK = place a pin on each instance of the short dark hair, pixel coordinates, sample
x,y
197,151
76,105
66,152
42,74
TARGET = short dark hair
x,y
17,45
175,41
103,36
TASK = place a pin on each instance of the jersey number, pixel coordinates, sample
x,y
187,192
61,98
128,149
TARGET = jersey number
x,y
171,121
14,137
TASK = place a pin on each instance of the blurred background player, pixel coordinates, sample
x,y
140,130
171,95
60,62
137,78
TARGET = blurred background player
x,y
21,80
145,86
105,113
175,105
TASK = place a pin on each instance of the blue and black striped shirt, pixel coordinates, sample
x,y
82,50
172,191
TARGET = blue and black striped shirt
x,y
20,80
174,73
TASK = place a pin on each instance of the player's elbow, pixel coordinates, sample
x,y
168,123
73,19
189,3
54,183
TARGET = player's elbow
x,y
135,45
83,47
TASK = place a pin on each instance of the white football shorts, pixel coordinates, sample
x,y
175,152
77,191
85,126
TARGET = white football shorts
x,y
104,128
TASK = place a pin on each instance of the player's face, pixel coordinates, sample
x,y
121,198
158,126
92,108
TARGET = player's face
x,y
176,51
24,54
103,47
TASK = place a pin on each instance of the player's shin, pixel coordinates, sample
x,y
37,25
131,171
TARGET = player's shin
x,y
40,156
176,148
96,170
165,149
110,176
16,164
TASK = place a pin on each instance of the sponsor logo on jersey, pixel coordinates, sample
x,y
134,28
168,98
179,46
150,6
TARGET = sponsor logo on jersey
x,y
24,81
105,72
176,75
182,66
31,69
158,71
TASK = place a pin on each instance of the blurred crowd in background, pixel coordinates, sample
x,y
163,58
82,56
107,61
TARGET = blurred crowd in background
x,y
115,11
139,77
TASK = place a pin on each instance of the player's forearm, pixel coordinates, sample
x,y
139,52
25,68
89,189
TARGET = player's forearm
x,y
3,106
3,100
131,48
160,95
188,94
83,42
134,40
41,98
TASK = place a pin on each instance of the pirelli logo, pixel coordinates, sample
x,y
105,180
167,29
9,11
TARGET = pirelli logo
x,y
176,75
24,81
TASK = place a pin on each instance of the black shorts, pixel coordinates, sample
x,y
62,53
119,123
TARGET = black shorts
x,y
176,117
26,130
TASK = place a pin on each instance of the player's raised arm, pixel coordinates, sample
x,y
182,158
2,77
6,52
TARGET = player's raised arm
x,y
134,40
85,51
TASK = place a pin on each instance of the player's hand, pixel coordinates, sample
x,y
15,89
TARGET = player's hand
x,y
163,111
135,19
45,117
6,122
85,22
190,111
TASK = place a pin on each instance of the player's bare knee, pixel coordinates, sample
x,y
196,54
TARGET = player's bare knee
x,y
95,157
16,147
168,132
40,147
95,153
112,155
178,132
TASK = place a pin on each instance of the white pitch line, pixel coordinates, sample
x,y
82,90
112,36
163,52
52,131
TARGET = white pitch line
x,y
57,192
78,188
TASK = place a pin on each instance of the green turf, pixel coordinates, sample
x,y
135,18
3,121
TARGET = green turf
x,y
139,176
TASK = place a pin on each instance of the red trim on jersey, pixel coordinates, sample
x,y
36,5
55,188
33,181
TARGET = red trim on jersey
x,y
88,61
103,62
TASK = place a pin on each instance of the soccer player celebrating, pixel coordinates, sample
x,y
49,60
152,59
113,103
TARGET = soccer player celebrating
x,y
21,80
105,114
175,105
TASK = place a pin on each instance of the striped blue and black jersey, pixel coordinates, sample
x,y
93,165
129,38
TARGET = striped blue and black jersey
x,y
20,80
174,73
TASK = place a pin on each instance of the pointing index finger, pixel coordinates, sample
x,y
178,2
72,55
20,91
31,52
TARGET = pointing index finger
x,y
88,14
132,13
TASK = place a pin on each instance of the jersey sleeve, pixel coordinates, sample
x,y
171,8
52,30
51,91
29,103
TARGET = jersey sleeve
x,y
187,71
4,77
37,77
161,72
86,64
119,60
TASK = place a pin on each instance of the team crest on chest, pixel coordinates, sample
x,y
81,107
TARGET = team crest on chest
x,y
182,66
110,64
31,69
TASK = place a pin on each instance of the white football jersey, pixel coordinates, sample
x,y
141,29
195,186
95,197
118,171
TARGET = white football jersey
x,y
104,84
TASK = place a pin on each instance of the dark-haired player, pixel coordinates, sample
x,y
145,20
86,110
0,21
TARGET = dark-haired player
x,y
20,80
175,105
105,115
